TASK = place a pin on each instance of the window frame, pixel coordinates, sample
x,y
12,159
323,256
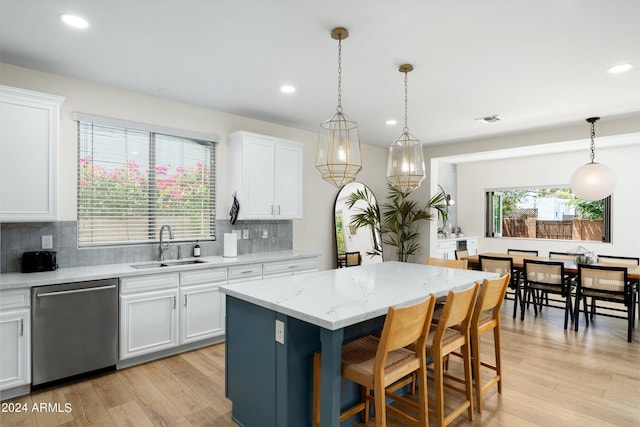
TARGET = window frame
x,y
152,215
491,217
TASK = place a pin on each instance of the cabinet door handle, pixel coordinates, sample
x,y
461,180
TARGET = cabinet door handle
x,y
21,327
174,302
185,300
272,209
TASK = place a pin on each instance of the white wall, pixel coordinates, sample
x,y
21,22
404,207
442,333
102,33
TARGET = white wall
x,y
550,169
313,233
475,178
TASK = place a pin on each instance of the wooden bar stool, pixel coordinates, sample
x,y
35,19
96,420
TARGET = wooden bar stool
x,y
457,310
384,365
486,318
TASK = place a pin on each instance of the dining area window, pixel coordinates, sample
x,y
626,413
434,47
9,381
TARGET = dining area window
x,y
546,213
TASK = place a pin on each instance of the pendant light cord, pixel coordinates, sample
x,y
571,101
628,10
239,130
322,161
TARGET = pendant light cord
x,y
339,107
593,143
406,109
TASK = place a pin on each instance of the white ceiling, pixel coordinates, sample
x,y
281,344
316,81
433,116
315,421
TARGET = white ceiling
x,y
536,63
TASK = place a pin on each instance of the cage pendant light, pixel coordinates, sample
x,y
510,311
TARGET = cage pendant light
x,y
405,168
593,181
338,158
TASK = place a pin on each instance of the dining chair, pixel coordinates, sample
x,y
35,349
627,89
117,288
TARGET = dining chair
x,y
621,260
524,252
502,266
451,263
543,278
384,365
352,259
461,253
605,283
562,256
458,310
521,252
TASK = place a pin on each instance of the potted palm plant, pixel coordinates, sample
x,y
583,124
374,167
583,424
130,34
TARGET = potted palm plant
x,y
402,218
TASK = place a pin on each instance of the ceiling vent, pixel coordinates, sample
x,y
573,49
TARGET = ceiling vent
x,y
489,119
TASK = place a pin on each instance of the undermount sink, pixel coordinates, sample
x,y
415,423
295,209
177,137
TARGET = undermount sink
x,y
171,263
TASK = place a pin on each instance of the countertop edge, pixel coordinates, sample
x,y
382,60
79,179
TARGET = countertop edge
x,y
232,290
16,280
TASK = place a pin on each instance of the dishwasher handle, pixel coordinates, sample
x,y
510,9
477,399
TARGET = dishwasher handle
x,y
75,291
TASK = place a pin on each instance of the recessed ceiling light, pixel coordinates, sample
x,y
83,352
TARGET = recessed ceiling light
x,y
489,119
287,89
74,21
620,68
391,122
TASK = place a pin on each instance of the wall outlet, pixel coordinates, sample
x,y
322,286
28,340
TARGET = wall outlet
x,y
245,234
47,242
265,233
280,331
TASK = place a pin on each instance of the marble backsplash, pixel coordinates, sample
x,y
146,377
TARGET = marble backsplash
x,y
16,238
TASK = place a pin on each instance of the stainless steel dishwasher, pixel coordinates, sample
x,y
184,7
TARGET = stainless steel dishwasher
x,y
74,329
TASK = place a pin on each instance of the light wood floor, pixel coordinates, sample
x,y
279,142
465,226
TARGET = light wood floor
x,y
552,377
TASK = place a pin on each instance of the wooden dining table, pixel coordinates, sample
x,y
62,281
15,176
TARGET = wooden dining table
x,y
570,267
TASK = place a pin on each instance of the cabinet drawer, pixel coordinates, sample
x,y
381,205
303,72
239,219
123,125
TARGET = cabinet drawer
x,y
203,276
448,244
241,272
148,283
15,299
291,266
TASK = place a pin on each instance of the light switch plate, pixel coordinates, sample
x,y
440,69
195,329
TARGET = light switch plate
x,y
265,233
280,331
245,234
47,242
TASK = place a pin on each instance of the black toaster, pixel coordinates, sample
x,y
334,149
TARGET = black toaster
x,y
38,261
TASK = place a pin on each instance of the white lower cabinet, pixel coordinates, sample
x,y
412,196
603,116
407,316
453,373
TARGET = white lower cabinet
x,y
148,319
202,305
15,341
14,355
472,246
162,311
446,249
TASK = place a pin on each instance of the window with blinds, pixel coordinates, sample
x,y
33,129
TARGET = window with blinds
x,y
131,182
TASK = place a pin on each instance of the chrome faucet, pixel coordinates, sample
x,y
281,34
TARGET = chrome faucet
x,y
164,246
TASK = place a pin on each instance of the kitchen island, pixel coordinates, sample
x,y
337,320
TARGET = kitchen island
x,y
274,326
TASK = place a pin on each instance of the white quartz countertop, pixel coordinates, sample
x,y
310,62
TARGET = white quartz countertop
x,y
97,272
333,299
453,237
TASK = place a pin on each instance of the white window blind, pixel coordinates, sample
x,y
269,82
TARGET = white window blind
x,y
131,182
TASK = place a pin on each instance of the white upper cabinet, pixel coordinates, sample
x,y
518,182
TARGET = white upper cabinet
x,y
266,175
28,155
